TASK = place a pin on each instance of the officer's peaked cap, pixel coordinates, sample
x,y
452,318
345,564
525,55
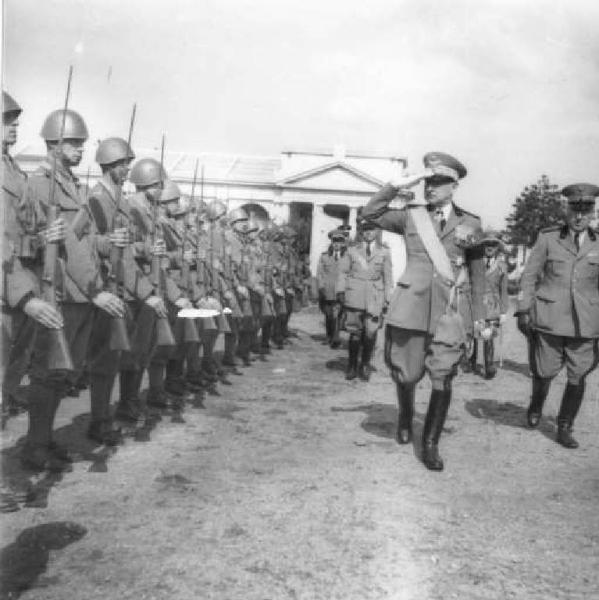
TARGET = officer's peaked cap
x,y
444,165
9,105
581,193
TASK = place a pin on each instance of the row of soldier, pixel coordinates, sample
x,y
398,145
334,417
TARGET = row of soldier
x,y
99,280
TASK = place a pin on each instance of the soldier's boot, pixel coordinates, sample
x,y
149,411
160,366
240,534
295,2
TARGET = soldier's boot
x,y
468,363
335,337
433,425
243,348
405,407
157,397
354,352
329,327
365,368
278,332
540,389
571,401
229,351
489,351
174,383
101,428
58,450
266,333
129,407
36,454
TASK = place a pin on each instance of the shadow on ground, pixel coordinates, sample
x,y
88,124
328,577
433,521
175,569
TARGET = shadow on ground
x,y
23,561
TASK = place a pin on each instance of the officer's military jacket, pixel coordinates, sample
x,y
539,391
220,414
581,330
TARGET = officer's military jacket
x,y
366,280
18,283
327,273
79,267
108,211
422,296
495,296
560,285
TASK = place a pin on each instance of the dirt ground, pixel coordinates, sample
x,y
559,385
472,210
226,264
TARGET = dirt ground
x,y
289,484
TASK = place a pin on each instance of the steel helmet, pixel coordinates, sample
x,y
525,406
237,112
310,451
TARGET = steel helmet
x,y
147,171
9,105
74,126
215,210
112,149
237,214
170,192
289,232
254,225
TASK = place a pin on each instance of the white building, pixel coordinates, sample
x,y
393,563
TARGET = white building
x,y
315,190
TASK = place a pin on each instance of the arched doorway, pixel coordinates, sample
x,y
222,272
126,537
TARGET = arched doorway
x,y
255,210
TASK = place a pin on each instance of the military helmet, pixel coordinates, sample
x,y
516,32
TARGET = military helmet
x,y
147,171
237,214
112,149
74,126
215,210
289,232
254,225
362,223
9,105
170,192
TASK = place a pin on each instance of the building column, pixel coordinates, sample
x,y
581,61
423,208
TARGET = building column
x,y
316,235
353,216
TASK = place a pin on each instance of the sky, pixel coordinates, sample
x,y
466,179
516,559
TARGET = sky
x,y
511,88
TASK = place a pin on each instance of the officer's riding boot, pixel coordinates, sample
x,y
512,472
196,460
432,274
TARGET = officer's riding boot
x,y
129,406
278,332
354,351
571,401
405,407
433,425
365,369
36,453
540,389
101,427
229,352
329,325
488,350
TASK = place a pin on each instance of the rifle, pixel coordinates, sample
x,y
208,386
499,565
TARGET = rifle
x,y
164,334
119,338
59,357
203,274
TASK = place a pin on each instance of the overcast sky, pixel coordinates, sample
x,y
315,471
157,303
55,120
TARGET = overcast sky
x,y
509,87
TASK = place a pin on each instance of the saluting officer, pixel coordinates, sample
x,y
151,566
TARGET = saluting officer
x,y
559,308
327,274
427,324
364,289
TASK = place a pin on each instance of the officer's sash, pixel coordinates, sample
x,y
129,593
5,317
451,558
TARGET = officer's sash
x,y
432,244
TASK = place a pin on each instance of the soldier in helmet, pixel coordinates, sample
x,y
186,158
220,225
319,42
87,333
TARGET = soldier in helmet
x,y
364,289
559,308
54,183
111,212
426,330
495,300
327,275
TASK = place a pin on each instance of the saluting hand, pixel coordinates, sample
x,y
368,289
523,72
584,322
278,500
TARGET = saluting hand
x,y
157,304
43,312
408,181
110,303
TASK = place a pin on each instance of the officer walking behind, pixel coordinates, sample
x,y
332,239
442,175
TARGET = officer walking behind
x,y
495,301
426,322
364,289
327,274
559,308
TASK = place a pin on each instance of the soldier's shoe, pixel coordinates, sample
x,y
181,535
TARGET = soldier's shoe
x,y
127,413
533,419
73,391
490,371
335,344
403,434
229,361
351,373
265,349
59,451
176,387
39,458
364,372
564,435
103,433
157,398
15,405
7,501
430,456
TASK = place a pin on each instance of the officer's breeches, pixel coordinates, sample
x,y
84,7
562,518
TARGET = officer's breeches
x,y
551,352
360,323
409,353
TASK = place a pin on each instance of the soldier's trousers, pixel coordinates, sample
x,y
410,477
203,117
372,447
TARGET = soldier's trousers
x,y
18,332
409,354
549,353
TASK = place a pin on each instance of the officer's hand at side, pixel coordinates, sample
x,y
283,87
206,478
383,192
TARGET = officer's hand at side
x,y
120,237
157,304
341,297
183,302
110,303
43,312
524,323
55,232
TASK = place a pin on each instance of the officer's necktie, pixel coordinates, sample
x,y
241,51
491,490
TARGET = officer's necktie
x,y
368,250
336,256
440,217
577,241
488,262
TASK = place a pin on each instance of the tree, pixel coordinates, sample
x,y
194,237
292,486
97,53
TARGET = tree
x,y
537,207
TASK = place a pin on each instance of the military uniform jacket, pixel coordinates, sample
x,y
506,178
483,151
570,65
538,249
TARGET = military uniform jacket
x,y
327,273
104,207
495,296
560,285
18,283
81,263
365,280
422,296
